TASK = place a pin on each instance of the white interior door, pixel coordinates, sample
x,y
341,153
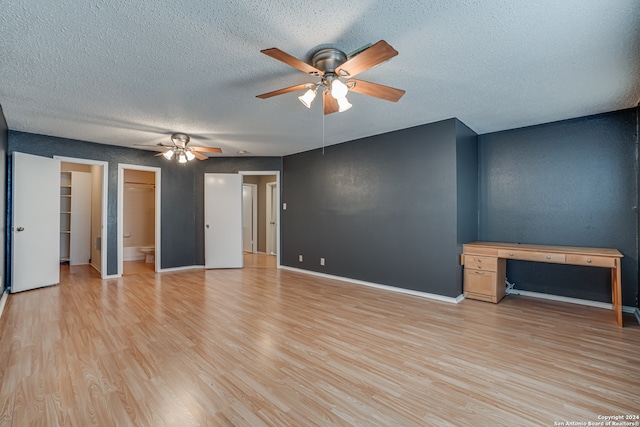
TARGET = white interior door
x,y
272,218
223,220
35,234
249,217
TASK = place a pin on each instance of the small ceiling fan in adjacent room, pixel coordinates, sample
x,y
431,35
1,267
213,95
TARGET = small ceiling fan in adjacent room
x,y
182,151
336,72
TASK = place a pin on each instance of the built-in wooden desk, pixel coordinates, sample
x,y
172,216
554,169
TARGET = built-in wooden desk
x,y
485,262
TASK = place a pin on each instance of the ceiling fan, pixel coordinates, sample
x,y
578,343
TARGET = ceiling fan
x,y
183,152
333,66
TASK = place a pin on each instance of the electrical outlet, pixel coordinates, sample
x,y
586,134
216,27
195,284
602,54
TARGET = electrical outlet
x,y
321,261
300,258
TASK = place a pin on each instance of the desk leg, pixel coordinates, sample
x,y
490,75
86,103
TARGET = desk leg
x,y
616,292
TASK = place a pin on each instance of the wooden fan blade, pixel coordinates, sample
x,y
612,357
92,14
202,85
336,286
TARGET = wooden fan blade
x,y
158,146
373,89
330,103
198,155
283,91
207,149
276,53
369,58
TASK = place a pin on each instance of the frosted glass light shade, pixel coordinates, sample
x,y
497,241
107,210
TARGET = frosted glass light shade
x,y
338,89
168,154
308,98
343,104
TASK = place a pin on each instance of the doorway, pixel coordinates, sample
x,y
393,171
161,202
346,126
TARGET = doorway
x,y
223,214
138,219
268,214
83,213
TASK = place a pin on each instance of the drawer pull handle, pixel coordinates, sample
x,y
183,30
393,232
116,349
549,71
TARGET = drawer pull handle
x,y
548,256
479,272
589,260
511,254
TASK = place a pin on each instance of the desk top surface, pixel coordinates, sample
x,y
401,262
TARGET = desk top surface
x,y
577,250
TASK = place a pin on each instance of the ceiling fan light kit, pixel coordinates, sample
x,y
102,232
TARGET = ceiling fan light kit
x,y
184,153
331,66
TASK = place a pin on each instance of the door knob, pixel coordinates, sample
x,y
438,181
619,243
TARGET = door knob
x,y
207,225
20,229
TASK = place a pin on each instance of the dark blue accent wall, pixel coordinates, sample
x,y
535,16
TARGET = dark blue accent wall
x,y
395,208
385,209
572,182
182,190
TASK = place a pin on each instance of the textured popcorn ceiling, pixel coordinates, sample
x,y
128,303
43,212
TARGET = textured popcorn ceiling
x,y
131,72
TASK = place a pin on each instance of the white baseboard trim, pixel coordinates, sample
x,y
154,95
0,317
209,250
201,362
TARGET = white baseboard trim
x,y
95,267
551,297
188,267
378,286
3,300
637,313
112,276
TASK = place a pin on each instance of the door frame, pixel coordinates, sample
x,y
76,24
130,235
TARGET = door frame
x,y
158,216
105,199
254,216
277,175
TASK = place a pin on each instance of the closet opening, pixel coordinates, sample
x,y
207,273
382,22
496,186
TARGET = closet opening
x,y
83,213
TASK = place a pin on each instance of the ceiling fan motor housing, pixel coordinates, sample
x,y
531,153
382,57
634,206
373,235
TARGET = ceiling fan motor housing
x,y
328,59
180,139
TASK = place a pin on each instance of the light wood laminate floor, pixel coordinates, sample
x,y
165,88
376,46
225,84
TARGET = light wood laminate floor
x,y
268,347
137,267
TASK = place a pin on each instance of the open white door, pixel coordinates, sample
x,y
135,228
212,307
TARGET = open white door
x,y
249,217
223,220
272,218
35,233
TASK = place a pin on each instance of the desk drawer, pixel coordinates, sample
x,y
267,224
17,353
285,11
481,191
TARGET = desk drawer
x,y
595,261
532,256
481,262
472,249
480,282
